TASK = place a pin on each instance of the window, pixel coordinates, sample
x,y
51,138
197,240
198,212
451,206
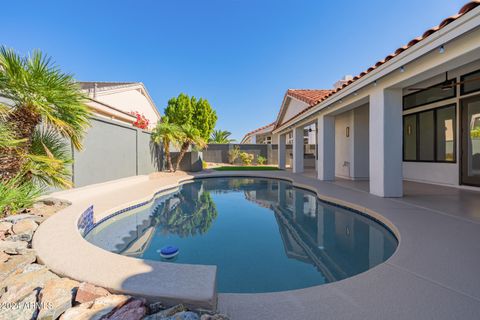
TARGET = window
x,y
432,94
470,82
430,136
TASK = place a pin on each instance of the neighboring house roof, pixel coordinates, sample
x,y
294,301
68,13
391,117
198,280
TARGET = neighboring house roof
x,y
465,9
261,130
95,89
311,97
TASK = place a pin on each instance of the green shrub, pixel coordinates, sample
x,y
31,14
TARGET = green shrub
x,y
17,195
233,154
247,158
261,160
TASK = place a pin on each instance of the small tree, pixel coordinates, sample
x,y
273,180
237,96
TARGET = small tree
x,y
166,133
233,154
184,110
189,136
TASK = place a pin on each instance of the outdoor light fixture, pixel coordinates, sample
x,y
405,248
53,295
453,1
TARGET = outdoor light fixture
x,y
375,83
402,69
347,132
355,93
441,49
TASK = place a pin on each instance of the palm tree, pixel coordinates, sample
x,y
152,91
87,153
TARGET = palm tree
x,y
38,93
166,133
7,136
220,136
190,136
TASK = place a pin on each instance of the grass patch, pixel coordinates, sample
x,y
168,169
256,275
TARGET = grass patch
x,y
246,168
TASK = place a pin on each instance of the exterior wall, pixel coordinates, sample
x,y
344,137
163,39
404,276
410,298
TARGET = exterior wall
x,y
112,151
352,153
343,145
360,143
131,100
440,173
293,108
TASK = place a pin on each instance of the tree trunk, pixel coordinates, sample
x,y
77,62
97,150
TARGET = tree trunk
x,y
23,122
168,155
183,150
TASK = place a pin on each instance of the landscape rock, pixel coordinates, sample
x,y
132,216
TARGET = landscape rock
x,y
88,292
27,311
25,227
167,312
5,226
36,279
15,263
18,217
95,310
33,267
135,309
57,296
13,247
155,307
16,293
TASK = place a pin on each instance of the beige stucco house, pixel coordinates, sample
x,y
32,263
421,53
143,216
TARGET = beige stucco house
x,y
117,100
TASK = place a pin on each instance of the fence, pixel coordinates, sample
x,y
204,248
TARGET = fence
x,y
219,152
112,150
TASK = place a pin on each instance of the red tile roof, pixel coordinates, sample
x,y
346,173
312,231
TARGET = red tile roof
x,y
465,9
259,129
309,96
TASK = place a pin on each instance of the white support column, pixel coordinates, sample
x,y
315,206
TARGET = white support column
x,y
385,143
298,149
326,148
282,152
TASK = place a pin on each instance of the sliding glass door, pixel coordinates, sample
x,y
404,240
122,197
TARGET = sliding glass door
x,y
470,166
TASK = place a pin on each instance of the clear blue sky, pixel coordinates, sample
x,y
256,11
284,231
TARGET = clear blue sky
x,y
239,54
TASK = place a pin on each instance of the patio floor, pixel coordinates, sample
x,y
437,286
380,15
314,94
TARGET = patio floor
x,y
432,275
459,202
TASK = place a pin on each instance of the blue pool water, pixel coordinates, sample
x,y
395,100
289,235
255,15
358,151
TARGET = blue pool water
x,y
263,234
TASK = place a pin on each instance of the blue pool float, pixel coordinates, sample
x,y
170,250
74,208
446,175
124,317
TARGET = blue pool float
x,y
168,252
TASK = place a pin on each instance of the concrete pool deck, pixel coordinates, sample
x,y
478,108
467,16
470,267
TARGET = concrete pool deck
x,y
432,275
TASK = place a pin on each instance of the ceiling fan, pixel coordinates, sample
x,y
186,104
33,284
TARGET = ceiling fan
x,y
447,84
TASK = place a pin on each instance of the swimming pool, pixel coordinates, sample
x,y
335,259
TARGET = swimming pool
x,y
264,235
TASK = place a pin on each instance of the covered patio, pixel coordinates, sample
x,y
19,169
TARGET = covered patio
x,y
413,116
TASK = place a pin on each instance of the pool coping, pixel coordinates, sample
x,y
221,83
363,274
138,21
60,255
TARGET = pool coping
x,y
195,284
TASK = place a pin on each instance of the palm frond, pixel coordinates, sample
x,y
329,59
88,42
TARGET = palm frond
x,y
36,83
49,159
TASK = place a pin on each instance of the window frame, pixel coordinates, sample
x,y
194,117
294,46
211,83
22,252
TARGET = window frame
x,y
462,86
435,141
428,88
